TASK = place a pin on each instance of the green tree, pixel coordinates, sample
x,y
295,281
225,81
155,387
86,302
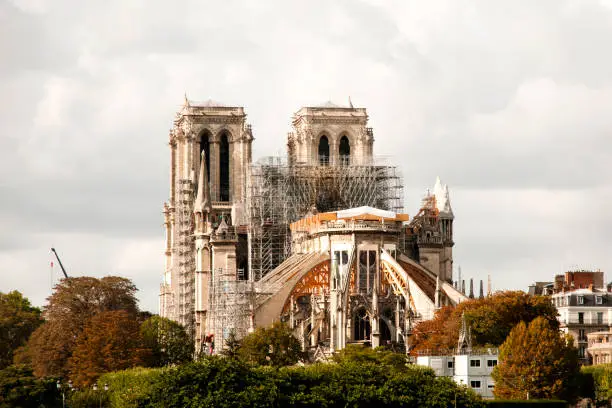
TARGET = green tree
x,y
168,341
18,319
73,302
19,388
232,345
274,345
537,361
110,341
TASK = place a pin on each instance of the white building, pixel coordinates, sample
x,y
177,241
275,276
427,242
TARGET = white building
x,y
470,369
583,311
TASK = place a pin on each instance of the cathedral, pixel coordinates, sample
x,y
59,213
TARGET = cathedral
x,y
317,239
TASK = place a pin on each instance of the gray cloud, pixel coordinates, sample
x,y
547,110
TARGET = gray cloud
x,y
507,101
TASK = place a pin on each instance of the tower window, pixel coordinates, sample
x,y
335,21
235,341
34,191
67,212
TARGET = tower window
x,y
345,151
224,169
323,151
205,147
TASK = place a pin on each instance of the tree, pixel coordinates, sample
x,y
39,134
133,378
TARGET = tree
x,y
232,345
110,341
274,345
536,361
18,319
168,341
19,388
69,308
490,319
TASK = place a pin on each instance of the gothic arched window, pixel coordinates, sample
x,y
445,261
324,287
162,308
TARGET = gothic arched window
x,y
361,324
324,151
205,147
345,151
224,168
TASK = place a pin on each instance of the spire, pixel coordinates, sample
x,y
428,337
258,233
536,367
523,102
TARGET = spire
x,y
465,336
202,202
489,289
186,103
481,295
459,278
471,288
442,197
350,102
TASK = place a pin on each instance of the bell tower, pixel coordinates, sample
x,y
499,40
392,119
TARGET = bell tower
x,y
330,135
210,156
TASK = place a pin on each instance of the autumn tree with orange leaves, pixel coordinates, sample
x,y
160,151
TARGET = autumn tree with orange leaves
x,y
490,319
110,341
537,362
74,302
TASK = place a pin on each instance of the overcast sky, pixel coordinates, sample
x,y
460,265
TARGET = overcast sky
x,y
509,102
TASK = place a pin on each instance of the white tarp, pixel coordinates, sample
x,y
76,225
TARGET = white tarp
x,y
355,212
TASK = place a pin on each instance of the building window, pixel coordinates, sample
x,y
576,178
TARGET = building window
x,y
581,350
224,168
205,147
361,322
475,384
345,151
324,151
490,386
474,363
581,300
367,271
491,363
599,317
581,335
598,300
580,317
449,364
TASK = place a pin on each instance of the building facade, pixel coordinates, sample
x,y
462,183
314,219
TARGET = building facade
x,y
231,231
472,369
584,305
599,348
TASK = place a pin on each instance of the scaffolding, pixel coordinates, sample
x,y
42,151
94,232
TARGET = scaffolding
x,y
280,194
184,255
231,305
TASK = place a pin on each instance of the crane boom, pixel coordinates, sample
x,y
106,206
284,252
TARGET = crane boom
x,y
60,262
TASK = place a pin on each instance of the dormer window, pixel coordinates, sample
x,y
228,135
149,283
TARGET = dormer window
x,y
598,300
581,300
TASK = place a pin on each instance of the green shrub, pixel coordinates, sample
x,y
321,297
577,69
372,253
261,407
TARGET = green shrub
x,y
602,378
88,398
527,403
358,378
131,388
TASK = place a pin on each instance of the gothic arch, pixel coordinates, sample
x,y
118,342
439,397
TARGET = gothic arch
x,y
224,165
204,140
323,149
344,150
224,131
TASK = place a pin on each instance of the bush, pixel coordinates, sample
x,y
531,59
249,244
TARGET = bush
x,y
89,398
360,377
19,388
527,403
131,388
601,376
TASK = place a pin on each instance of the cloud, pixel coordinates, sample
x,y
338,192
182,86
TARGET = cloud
x,y
507,101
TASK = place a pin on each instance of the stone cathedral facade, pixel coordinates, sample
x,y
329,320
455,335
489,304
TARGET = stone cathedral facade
x,y
318,240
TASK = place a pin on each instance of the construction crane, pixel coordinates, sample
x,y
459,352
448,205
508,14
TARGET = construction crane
x,y
60,262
